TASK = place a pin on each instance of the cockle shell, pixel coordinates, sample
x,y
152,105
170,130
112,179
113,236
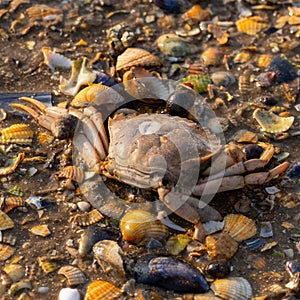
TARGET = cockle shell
x,y
40,230
234,288
73,274
89,218
140,225
271,122
239,227
133,57
100,289
5,221
16,134
6,252
72,172
251,25
13,202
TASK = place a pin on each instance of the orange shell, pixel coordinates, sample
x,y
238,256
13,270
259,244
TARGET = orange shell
x,y
41,230
5,221
133,57
12,202
89,218
73,274
100,289
6,252
72,172
251,25
211,56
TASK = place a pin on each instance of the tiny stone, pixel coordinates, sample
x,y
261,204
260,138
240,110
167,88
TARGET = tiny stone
x,y
43,290
271,190
83,206
69,243
68,294
150,19
289,252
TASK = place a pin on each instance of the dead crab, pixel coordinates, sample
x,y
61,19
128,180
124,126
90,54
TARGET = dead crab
x,y
170,154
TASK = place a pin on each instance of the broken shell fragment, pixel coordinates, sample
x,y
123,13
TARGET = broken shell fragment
x,y
5,221
14,164
73,274
72,172
40,230
15,271
54,60
177,243
47,264
68,294
6,252
239,227
100,289
251,25
13,202
139,225
16,134
197,82
234,288
271,122
89,218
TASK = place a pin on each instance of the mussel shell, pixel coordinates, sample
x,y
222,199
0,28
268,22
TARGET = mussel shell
x,y
169,6
292,267
294,171
217,269
169,273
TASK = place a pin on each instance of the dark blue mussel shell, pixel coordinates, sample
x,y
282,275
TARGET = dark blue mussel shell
x,y
170,273
293,267
168,6
294,171
105,79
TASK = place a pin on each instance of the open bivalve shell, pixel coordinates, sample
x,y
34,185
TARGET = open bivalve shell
x,y
100,289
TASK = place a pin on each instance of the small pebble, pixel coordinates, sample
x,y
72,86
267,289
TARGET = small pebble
x,y
68,294
70,243
150,19
83,206
43,290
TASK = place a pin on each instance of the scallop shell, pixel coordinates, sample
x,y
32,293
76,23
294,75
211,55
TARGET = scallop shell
x,y
15,271
13,202
211,56
244,84
251,25
6,252
72,172
5,221
47,264
234,288
133,57
40,230
239,227
73,274
89,218
16,134
271,122
198,82
100,289
140,225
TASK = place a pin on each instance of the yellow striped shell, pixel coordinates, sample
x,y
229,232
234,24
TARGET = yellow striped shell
x,y
5,221
89,218
234,288
47,264
16,134
73,274
100,289
251,25
239,227
6,252
271,122
140,225
13,202
134,57
264,60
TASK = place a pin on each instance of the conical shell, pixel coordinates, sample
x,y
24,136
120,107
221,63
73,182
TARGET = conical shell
x,y
140,225
100,289
239,227
15,271
73,274
89,218
251,25
16,134
72,172
235,288
41,230
5,221
6,252
133,57
271,122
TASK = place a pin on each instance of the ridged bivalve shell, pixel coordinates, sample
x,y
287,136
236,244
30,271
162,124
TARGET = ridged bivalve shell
x,y
100,289
251,25
72,172
170,273
73,274
47,264
133,57
235,288
8,238
140,225
211,56
197,82
89,218
13,202
15,271
16,134
5,221
239,227
6,252
40,230
271,122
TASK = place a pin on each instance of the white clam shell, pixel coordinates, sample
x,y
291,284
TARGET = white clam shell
x,y
68,294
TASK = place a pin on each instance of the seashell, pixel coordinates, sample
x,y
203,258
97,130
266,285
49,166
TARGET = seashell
x,y
16,134
223,78
54,60
178,243
47,264
221,246
72,172
256,261
6,252
266,79
294,171
196,14
251,25
104,79
24,296
18,286
284,70
5,221
169,273
13,202
89,218
8,238
221,35
68,294
133,57
239,227
15,271
171,6
38,202
16,190
242,57
217,269
255,244
213,226
211,56
244,84
271,122
264,60
197,82
197,68
100,289
266,229
14,164
108,255
139,225
245,136
40,230
292,267
234,288
73,274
